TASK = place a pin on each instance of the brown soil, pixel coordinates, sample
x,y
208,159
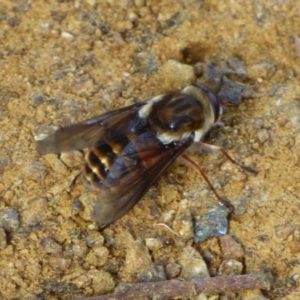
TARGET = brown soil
x,y
66,61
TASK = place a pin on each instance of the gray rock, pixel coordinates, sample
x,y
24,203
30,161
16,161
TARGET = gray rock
x,y
213,223
9,220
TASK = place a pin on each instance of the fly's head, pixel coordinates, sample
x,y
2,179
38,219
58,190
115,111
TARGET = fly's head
x,y
175,116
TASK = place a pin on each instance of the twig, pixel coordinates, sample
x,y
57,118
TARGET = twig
x,y
222,284
166,226
171,289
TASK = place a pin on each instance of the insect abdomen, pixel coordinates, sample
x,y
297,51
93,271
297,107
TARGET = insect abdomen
x,y
99,163
104,168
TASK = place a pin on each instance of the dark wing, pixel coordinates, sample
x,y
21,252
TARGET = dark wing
x,y
87,133
113,203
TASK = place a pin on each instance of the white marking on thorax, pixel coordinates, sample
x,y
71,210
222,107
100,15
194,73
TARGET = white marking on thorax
x,y
169,137
145,111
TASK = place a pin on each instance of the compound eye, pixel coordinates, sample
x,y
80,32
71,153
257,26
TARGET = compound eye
x,y
215,103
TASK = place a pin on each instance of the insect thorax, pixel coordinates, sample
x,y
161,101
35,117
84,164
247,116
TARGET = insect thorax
x,y
162,122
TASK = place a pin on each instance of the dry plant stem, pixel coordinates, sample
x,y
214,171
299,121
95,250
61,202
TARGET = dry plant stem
x,y
172,289
222,284
165,226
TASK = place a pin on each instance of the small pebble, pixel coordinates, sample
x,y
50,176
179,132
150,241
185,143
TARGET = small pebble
x,y
295,277
240,206
67,36
42,132
138,259
72,158
95,239
255,125
235,92
57,76
153,274
171,193
60,264
35,170
297,234
13,21
83,281
9,220
213,223
168,216
113,265
34,213
145,62
179,71
231,267
58,15
192,264
36,100
101,282
80,249
212,259
183,224
262,136
294,247
139,3
168,242
30,297
77,206
172,270
92,3
33,269
3,242
88,200
237,66
153,244
109,237
230,248
283,232
98,256
297,45
50,246
45,26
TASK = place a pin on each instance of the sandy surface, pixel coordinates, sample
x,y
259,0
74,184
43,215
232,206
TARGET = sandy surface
x,y
66,61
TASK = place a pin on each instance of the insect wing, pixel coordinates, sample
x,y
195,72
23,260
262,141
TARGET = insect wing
x,y
87,133
113,203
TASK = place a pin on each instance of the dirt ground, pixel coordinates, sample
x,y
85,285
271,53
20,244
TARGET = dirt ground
x,y
66,61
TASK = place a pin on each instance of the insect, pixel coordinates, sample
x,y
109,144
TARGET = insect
x,y
131,147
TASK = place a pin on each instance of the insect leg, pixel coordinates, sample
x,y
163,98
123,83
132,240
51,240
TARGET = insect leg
x,y
195,164
74,181
217,148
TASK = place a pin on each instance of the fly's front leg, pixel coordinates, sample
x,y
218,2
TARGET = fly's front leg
x,y
196,165
213,148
